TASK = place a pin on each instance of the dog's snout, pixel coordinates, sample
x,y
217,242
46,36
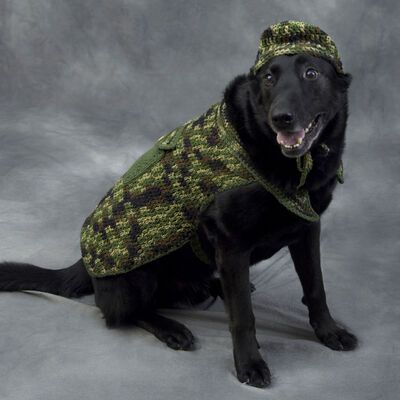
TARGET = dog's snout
x,y
282,119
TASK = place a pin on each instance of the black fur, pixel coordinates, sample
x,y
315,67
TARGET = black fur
x,y
68,282
241,227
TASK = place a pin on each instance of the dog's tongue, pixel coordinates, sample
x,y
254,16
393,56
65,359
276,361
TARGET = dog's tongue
x,y
290,138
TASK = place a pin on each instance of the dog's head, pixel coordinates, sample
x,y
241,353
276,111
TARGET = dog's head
x,y
297,96
295,88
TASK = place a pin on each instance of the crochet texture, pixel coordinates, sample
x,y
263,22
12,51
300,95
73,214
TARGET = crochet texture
x,y
153,208
296,37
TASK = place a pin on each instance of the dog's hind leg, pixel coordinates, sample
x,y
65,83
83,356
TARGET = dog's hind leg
x,y
171,332
123,298
130,299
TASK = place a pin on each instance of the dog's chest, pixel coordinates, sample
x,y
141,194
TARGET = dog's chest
x,y
255,221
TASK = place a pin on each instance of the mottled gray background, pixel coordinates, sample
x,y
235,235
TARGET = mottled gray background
x,y
85,87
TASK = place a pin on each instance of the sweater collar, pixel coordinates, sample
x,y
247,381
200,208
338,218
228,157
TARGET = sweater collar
x,y
304,163
299,202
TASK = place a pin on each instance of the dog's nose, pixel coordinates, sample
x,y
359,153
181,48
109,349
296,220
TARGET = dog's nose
x,y
282,119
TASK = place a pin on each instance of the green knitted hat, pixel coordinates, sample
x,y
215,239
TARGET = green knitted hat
x,y
295,37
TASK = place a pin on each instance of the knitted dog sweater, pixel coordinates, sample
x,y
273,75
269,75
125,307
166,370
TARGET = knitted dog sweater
x,y
153,209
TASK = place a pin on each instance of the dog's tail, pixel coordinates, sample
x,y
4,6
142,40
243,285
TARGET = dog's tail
x,y
73,281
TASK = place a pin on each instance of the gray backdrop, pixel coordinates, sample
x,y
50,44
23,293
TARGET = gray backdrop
x,y
86,86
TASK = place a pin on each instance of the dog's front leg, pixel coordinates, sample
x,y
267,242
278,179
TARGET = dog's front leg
x,y
234,271
307,261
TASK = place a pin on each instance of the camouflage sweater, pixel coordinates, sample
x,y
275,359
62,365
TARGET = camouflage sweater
x,y
153,208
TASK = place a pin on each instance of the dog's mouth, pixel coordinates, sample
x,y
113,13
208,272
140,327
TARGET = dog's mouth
x,y
296,143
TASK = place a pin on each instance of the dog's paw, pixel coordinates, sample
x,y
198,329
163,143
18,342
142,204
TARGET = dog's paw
x,y
336,338
177,337
254,373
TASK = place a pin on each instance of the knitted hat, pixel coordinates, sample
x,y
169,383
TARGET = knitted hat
x,y
294,37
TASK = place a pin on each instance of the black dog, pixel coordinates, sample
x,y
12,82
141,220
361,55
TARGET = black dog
x,y
285,96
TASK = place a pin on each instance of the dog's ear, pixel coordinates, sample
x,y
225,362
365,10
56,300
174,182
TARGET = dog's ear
x,y
345,81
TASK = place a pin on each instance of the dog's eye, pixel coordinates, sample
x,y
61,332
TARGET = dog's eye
x,y
269,79
311,74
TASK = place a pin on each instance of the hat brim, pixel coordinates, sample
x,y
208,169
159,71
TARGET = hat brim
x,y
313,49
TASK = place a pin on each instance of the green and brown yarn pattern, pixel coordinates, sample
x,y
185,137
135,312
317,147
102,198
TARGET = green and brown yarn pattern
x,y
296,37
153,208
